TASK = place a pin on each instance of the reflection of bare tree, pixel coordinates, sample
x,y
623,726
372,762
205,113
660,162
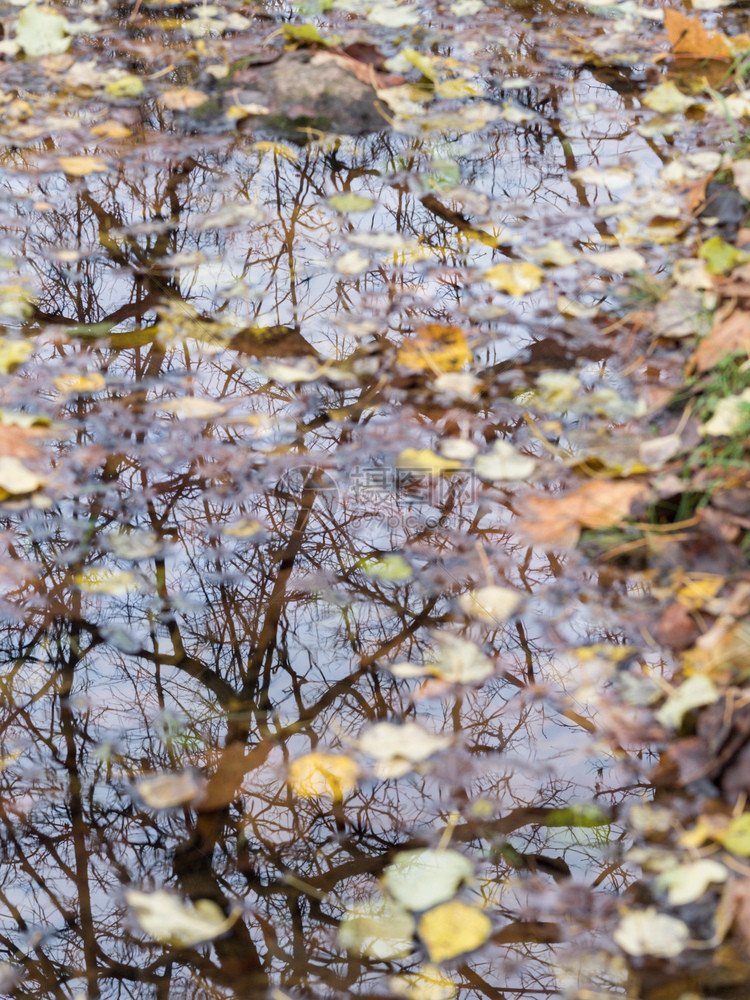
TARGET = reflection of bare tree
x,y
186,593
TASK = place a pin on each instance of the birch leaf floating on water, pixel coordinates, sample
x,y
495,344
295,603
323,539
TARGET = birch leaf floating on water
x,y
504,463
323,774
648,932
422,878
667,98
164,791
459,661
490,604
377,928
398,748
168,919
16,479
452,929
515,278
695,692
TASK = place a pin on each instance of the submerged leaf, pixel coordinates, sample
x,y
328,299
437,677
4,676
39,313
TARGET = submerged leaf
x,y
452,929
687,883
695,692
421,878
648,932
168,919
377,928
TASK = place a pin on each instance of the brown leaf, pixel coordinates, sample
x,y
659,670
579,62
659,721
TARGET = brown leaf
x,y
182,99
21,442
676,628
728,336
597,504
688,37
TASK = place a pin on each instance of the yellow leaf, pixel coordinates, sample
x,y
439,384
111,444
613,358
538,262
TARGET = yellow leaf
x,y
182,99
452,929
515,279
424,460
278,149
453,89
111,129
13,352
104,581
436,347
73,384
81,166
16,479
323,774
688,37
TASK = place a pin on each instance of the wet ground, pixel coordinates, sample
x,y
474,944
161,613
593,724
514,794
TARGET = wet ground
x,y
260,346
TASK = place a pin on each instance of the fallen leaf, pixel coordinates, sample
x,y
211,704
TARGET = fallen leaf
x,y
427,983
452,929
315,775
82,166
617,261
377,928
392,568
504,463
13,353
74,385
667,98
490,604
422,878
16,479
596,504
695,692
730,416
688,37
168,919
111,129
515,278
648,932
114,583
736,837
436,348
193,407
127,85
397,748
687,883
350,202
40,32
728,336
459,661
423,460
182,99
393,15
164,791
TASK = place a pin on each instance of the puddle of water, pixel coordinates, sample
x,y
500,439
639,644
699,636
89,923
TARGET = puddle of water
x,y
202,583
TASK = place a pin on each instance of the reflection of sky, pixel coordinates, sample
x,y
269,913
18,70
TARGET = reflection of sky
x,y
271,245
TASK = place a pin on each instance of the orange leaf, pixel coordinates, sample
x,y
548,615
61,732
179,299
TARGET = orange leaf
x,y
688,37
556,521
730,336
